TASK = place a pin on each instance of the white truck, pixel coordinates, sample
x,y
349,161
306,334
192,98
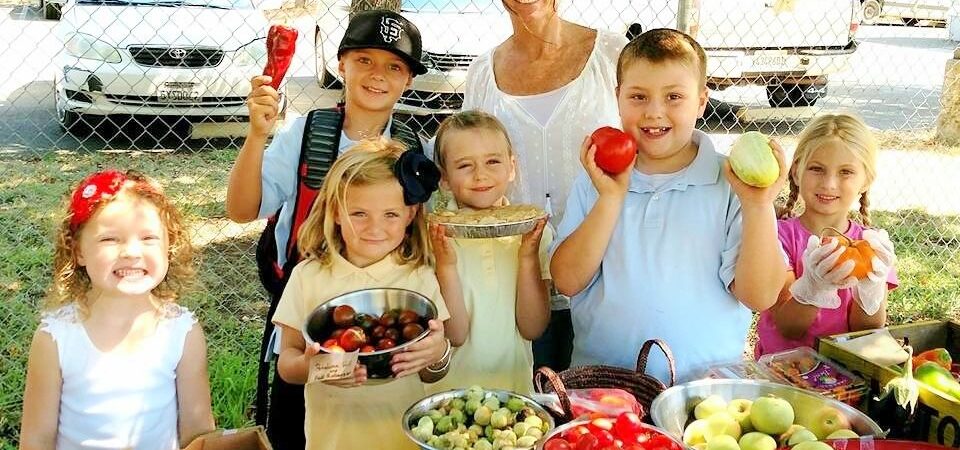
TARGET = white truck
x,y
909,11
788,46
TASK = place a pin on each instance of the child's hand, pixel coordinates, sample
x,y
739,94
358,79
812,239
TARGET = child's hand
x,y
872,290
421,354
359,377
821,277
755,195
263,106
605,183
443,250
309,352
530,242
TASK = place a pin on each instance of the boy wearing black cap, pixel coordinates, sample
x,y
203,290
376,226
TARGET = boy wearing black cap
x,y
379,56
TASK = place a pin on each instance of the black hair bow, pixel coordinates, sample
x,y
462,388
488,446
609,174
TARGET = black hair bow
x,y
418,176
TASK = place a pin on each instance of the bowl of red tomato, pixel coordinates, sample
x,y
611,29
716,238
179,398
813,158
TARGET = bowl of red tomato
x,y
374,322
625,432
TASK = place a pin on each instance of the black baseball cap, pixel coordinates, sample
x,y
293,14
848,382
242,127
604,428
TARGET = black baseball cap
x,y
386,30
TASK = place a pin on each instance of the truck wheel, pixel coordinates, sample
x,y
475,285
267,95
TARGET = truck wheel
x,y
51,11
870,10
789,95
326,79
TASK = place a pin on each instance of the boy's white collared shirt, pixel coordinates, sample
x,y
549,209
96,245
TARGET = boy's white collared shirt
x,y
665,273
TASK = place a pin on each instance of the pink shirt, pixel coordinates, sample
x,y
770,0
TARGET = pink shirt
x,y
793,238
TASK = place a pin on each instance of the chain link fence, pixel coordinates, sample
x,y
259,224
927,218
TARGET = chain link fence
x,y
160,85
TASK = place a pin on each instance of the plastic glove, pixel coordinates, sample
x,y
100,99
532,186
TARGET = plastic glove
x,y
872,289
821,277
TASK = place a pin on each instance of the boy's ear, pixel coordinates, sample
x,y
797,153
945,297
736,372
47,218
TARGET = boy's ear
x,y
702,100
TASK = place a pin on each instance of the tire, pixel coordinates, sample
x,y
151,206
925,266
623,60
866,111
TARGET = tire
x,y
325,78
51,11
870,11
789,95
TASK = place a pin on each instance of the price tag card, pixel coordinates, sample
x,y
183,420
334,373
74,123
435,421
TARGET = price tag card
x,y
332,366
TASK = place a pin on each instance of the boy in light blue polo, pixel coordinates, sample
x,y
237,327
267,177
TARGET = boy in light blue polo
x,y
678,248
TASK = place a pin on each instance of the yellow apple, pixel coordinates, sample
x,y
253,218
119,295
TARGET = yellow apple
x,y
739,408
828,420
771,415
843,434
694,433
723,442
757,441
709,406
700,446
785,437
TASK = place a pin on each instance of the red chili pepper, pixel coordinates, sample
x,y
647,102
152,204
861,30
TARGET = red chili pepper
x,y
281,44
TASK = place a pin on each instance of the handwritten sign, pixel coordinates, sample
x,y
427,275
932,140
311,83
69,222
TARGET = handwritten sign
x,y
331,366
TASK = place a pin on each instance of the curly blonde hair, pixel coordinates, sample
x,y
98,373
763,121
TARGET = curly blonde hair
x,y
71,283
847,129
367,163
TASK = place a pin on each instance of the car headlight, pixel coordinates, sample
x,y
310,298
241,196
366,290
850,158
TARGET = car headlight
x,y
252,54
86,46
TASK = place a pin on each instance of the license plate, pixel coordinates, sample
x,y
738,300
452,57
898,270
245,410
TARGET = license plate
x,y
178,95
776,62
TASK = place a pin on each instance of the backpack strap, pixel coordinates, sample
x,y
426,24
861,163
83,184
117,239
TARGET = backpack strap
x,y
401,132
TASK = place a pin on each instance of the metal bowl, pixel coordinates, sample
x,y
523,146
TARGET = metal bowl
x,y
671,409
487,231
575,423
375,302
420,408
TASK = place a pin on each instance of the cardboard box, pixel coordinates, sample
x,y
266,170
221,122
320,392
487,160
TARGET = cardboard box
x,y
938,414
251,438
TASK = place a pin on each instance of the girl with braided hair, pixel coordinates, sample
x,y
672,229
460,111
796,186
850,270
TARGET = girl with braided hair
x,y
832,169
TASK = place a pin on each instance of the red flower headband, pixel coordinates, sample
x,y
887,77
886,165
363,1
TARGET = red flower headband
x,y
91,192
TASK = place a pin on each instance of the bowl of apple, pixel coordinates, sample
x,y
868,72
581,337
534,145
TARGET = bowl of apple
x,y
375,322
756,415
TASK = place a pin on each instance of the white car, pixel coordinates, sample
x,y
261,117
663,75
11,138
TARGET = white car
x,y
190,58
454,32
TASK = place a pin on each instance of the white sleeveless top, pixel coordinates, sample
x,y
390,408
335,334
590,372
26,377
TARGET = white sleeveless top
x,y
118,401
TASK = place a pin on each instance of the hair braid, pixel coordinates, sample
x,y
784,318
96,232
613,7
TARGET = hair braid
x,y
864,209
786,211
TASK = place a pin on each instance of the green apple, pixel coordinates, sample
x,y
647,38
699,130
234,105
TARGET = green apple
x,y
771,415
812,445
801,436
757,441
723,442
722,423
785,437
843,434
739,408
709,406
694,433
828,420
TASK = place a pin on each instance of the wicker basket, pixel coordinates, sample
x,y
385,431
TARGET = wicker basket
x,y
643,387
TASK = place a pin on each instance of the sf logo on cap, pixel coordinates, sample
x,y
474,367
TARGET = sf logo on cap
x,y
390,29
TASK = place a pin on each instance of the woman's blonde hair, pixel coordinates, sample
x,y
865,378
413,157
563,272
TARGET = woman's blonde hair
x,y
368,163
846,129
467,120
71,283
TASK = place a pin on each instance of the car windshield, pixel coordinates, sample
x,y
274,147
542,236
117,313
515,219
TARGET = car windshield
x,y
449,6
217,4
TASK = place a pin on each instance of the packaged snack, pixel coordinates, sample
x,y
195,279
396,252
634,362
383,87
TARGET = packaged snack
x,y
804,368
744,370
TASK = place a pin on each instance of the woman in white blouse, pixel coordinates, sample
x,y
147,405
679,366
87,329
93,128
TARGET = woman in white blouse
x,y
551,83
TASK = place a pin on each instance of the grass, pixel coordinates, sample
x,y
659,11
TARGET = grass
x,y
229,301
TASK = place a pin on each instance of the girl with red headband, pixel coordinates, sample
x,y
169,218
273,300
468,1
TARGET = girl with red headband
x,y
116,363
